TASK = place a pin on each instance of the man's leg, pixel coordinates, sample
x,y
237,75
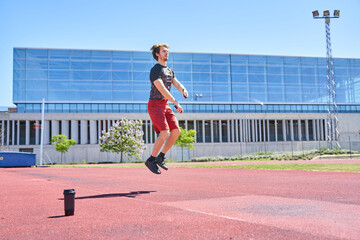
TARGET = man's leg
x,y
159,142
160,159
151,161
171,140
157,114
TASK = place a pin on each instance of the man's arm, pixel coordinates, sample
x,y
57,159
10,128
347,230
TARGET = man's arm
x,y
180,87
163,90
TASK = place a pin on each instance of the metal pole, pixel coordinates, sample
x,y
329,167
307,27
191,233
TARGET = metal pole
x,y
328,84
332,119
350,147
42,131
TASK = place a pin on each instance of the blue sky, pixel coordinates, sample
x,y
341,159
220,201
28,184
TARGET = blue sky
x,y
277,27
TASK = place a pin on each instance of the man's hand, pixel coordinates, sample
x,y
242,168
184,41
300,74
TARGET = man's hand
x,y
185,93
179,108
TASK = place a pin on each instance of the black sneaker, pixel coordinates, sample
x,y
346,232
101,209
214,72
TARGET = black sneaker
x,y
160,160
151,165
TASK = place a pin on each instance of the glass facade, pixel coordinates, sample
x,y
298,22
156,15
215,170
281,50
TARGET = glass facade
x,y
118,81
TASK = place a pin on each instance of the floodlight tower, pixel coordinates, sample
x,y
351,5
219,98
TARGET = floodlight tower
x,y
332,119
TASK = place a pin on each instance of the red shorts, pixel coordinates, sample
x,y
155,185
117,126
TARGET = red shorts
x,y
162,117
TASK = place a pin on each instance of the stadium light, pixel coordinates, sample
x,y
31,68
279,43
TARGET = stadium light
x,y
326,14
315,13
332,119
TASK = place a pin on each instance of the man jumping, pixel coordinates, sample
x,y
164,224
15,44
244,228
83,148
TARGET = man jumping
x,y
163,118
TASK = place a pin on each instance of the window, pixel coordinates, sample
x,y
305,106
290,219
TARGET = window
x,y
224,131
207,130
199,131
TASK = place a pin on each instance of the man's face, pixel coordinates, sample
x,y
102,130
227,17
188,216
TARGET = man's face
x,y
163,54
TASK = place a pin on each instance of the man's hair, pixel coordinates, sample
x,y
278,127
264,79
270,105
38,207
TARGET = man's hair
x,y
156,49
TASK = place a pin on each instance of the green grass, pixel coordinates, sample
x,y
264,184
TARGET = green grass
x,y
119,165
331,167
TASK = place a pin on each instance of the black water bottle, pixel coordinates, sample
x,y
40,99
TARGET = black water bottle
x,y
69,202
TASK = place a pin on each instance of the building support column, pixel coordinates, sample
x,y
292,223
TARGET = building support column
x,y
65,127
240,130
2,132
314,130
292,130
75,131
146,132
264,130
203,130
151,133
17,132
93,132
236,130
212,130
321,129
299,130
248,130
268,130
220,130
104,128
307,130
8,132
13,132
108,125
230,130
284,130
260,130
99,130
253,138
318,129
27,132
195,130
47,133
37,133
276,130
83,132
54,127
257,130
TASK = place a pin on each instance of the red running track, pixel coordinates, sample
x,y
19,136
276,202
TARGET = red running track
x,y
132,203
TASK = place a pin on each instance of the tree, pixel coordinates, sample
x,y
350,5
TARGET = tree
x,y
62,144
124,137
185,139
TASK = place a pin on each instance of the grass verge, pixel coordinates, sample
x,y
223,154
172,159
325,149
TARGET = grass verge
x,y
329,167
119,165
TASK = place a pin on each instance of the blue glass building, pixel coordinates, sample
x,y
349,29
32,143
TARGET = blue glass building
x,y
118,81
238,103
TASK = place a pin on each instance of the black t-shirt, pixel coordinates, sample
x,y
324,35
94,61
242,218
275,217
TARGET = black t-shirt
x,y
165,73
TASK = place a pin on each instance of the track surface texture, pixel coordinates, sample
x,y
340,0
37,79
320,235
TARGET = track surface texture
x,y
133,203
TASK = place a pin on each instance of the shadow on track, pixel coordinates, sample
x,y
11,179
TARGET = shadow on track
x,y
111,195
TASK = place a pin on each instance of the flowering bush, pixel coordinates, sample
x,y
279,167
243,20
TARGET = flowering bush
x,y
125,137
